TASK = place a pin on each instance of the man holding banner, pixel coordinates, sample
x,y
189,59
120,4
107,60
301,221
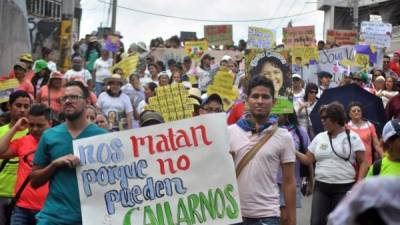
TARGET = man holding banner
x,y
259,148
54,161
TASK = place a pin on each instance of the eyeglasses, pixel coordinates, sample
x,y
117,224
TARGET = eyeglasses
x,y
72,98
356,110
386,62
356,79
313,92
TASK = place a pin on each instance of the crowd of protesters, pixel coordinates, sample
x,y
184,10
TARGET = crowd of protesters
x,y
49,109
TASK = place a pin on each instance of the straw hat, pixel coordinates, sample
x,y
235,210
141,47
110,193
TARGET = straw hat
x,y
115,77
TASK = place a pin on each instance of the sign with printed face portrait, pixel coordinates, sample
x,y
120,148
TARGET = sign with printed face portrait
x,y
274,66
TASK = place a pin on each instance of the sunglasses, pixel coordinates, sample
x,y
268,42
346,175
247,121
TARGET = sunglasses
x,y
356,79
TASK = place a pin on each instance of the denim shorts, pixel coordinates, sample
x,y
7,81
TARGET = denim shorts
x,y
22,216
260,221
298,197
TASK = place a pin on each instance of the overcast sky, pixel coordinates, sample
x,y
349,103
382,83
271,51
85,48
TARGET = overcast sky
x,y
136,26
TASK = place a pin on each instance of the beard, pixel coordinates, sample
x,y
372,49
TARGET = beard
x,y
74,116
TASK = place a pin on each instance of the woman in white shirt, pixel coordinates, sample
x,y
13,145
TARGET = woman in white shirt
x,y
115,104
304,106
337,153
390,90
101,70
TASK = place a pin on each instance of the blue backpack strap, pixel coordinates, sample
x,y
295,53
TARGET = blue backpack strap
x,y
376,167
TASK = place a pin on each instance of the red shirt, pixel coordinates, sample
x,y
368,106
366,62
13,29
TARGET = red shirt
x,y
395,67
31,198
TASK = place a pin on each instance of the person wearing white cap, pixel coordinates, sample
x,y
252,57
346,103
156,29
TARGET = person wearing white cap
x,y
390,164
298,90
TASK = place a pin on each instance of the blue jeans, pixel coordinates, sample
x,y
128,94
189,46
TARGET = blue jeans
x,y
22,216
260,221
99,88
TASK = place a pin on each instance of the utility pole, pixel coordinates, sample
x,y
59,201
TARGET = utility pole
x,y
114,16
66,34
355,16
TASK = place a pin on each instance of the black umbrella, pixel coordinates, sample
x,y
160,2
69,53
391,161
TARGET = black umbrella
x,y
373,109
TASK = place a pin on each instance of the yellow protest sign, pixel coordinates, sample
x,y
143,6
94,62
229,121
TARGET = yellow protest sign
x,y
303,55
171,102
128,65
6,88
196,49
362,60
223,86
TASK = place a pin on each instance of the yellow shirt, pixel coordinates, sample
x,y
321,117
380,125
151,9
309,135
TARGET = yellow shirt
x,y
8,175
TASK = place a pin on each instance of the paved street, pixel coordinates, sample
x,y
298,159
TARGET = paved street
x,y
303,214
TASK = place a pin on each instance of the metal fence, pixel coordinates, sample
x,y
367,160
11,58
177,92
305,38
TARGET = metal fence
x,y
45,8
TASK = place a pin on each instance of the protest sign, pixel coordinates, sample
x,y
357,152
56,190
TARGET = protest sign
x,y
218,34
273,65
376,33
303,55
188,36
223,86
6,88
128,65
165,54
196,49
112,43
260,38
163,174
171,102
299,36
341,37
329,59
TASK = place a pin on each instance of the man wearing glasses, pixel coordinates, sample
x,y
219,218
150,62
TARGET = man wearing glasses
x,y
54,160
30,201
386,67
212,104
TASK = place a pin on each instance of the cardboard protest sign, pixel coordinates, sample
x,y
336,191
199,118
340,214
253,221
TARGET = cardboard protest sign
x,y
223,86
260,38
299,36
161,174
218,34
273,65
196,49
171,102
303,55
376,33
341,37
165,54
128,64
112,43
188,36
6,88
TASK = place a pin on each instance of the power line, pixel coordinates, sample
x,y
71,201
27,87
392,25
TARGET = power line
x,y
211,20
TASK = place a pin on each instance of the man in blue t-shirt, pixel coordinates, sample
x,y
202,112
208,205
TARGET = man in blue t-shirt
x,y
54,160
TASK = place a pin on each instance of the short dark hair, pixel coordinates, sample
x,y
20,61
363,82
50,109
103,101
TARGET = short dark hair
x,y
18,94
171,62
79,84
335,112
259,80
386,56
308,89
40,110
353,104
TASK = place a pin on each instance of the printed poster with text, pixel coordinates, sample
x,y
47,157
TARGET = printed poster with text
x,y
174,173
